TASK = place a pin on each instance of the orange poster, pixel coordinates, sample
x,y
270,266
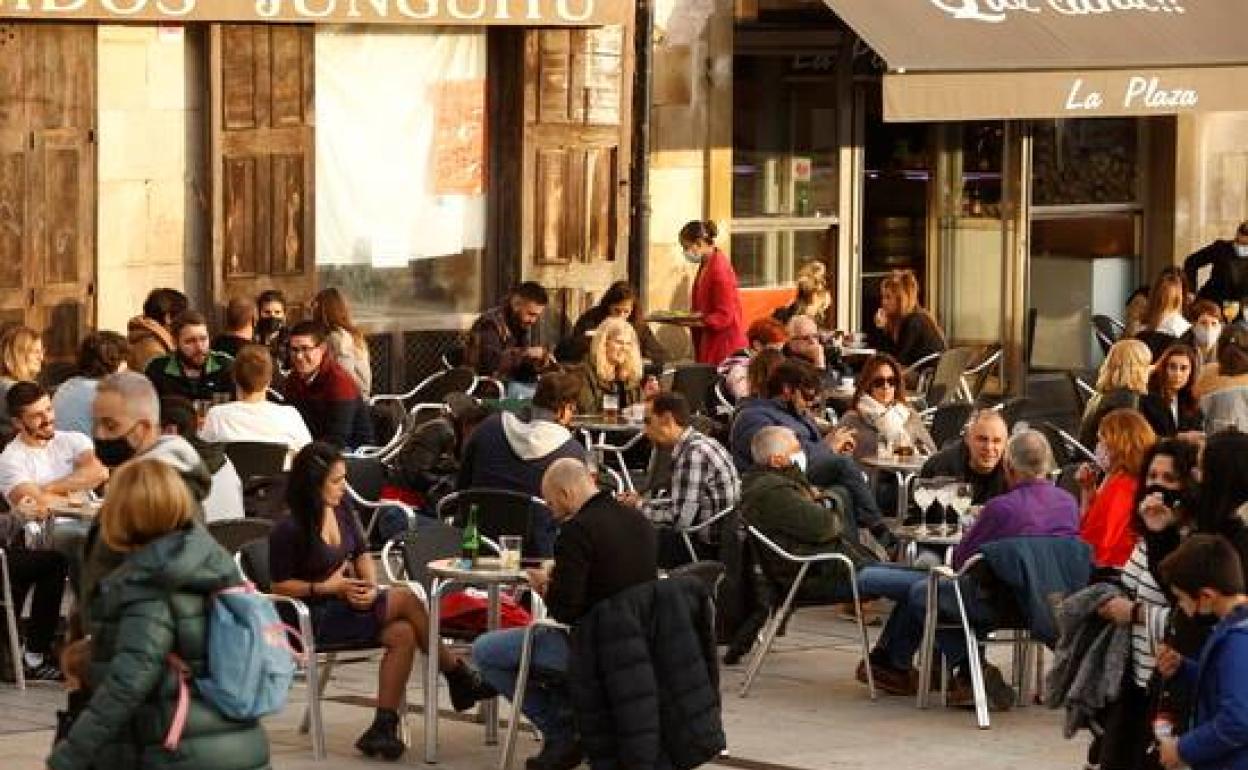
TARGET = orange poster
x,y
459,138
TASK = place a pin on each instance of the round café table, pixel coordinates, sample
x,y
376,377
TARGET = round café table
x,y
446,574
904,468
935,536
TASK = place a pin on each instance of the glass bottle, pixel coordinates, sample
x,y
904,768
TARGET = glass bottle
x,y
470,545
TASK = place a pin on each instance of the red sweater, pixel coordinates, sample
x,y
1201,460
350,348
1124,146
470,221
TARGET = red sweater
x,y
715,296
1107,522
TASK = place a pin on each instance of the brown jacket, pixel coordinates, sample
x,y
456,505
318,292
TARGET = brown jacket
x,y
148,339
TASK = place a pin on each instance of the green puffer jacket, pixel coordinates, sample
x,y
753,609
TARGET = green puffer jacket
x,y
155,603
783,506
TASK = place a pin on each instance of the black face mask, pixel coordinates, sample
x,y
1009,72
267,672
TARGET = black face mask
x,y
114,452
1172,498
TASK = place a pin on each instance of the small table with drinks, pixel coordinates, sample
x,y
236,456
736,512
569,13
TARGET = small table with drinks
x,y
469,569
954,515
904,466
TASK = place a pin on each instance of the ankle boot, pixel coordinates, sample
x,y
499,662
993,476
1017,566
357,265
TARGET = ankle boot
x,y
382,738
466,686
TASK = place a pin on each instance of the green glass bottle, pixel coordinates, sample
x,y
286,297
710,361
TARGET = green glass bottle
x,y
470,546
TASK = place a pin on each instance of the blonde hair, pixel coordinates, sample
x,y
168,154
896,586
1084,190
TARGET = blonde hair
x,y
15,346
1128,437
603,369
1165,298
812,279
1126,366
905,285
146,499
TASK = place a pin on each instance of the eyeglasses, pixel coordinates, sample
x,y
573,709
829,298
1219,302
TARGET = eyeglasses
x,y
884,382
303,350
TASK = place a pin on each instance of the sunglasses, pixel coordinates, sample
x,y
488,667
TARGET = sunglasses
x,y
884,382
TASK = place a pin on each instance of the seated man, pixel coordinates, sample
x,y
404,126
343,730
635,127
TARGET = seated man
x,y
42,466
791,389
253,417
976,459
513,452
192,370
225,493
805,344
778,500
240,327
41,575
500,341
323,392
604,548
1034,507
704,480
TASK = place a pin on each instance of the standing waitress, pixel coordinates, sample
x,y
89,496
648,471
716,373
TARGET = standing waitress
x,y
720,330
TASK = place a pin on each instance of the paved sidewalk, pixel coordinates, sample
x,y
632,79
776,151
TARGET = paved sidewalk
x,y
806,712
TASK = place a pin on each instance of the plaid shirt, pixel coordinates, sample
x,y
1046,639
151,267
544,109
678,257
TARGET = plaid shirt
x,y
704,482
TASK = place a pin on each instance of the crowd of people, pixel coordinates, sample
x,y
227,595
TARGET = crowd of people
x,y
1158,511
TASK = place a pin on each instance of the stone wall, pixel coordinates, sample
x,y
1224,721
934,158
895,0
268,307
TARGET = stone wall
x,y
1211,196
153,198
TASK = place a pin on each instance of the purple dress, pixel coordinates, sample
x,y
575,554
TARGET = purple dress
x,y
293,556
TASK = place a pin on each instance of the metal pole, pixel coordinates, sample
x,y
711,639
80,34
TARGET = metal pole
x,y
639,192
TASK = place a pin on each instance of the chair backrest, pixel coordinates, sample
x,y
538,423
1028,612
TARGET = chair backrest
x,y
695,382
233,534
1040,572
1063,453
1014,409
436,388
1106,330
946,380
254,559
948,421
367,476
1079,392
501,512
711,573
1157,341
430,541
256,458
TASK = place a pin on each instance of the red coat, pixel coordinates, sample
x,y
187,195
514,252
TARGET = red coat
x,y
715,296
1107,522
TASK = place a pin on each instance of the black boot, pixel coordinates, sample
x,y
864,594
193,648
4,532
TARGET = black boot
x,y
382,738
466,686
563,755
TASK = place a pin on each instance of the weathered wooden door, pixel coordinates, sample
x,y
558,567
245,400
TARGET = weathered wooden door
x,y
262,156
576,161
47,180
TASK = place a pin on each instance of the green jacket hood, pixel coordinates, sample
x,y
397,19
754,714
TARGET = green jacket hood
x,y
187,560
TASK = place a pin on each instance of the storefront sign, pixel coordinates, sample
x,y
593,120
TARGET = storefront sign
x,y
468,12
997,11
923,96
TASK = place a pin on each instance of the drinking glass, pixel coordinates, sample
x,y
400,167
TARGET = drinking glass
x,y
611,407
963,492
1230,309
945,494
925,493
509,547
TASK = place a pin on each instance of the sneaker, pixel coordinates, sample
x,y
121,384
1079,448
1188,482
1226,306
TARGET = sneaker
x,y
888,680
467,687
556,756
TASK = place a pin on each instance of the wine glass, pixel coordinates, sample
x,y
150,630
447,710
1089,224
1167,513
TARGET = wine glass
x,y
925,492
1230,309
962,498
945,495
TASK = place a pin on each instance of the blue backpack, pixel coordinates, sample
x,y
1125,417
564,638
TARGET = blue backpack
x,y
251,662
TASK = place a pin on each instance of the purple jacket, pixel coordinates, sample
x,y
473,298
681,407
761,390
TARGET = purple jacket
x,y
1035,508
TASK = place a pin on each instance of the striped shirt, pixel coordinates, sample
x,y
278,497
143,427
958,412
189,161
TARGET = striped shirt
x,y
704,482
1146,636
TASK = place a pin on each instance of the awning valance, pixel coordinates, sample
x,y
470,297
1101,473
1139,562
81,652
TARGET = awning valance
x,y
997,59
537,13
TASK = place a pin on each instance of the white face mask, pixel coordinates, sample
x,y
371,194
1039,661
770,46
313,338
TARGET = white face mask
x,y
1102,456
799,460
693,257
1241,249
1206,336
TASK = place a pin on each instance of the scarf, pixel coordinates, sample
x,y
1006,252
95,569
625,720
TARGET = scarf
x,y
889,421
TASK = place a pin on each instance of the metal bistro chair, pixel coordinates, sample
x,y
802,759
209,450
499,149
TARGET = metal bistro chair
x,y
522,684
253,562
779,614
976,377
233,534
256,458
11,611
695,382
601,448
1107,330
687,533
940,377
504,512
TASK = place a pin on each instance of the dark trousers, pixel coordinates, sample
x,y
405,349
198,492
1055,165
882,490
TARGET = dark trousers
x,y
42,572
1128,733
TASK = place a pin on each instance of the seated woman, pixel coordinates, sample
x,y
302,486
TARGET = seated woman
x,y
903,329
155,605
880,412
614,368
1164,323
1206,328
1171,407
1164,509
813,298
619,301
763,334
1223,386
319,555
1121,383
1108,492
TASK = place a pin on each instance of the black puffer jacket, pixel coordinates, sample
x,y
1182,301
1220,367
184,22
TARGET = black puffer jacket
x,y
644,679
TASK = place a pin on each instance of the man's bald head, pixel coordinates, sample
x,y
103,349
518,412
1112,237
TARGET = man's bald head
x,y
986,434
1028,456
566,486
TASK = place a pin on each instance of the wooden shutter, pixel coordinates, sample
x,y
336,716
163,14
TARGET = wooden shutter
x,y
263,156
577,108
47,180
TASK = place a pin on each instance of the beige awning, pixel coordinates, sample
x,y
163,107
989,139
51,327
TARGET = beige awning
x,y
998,59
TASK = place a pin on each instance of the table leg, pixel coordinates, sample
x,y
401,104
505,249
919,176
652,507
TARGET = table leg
x,y
904,480
489,708
431,674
